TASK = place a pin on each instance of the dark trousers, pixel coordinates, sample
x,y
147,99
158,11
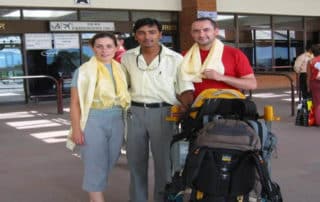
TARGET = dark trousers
x,y
303,85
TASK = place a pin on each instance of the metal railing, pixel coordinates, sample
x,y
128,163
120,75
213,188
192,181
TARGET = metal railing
x,y
291,86
57,82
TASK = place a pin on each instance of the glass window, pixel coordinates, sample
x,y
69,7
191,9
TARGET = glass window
x,y
227,36
288,44
246,44
263,49
94,15
225,21
10,56
254,22
11,65
281,49
226,29
313,30
9,14
161,16
85,46
288,22
255,40
263,56
313,23
263,34
296,45
33,14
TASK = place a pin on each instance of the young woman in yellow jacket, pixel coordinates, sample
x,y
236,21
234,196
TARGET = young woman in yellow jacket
x,y
98,98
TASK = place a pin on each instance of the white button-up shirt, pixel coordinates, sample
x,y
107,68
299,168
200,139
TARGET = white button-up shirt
x,y
160,81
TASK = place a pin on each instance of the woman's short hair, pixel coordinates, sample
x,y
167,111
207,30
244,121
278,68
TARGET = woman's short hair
x,y
103,35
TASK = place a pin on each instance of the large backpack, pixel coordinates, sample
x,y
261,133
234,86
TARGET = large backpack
x,y
232,109
227,104
224,164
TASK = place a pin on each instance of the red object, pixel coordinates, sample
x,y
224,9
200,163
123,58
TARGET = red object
x,y
118,55
236,64
311,118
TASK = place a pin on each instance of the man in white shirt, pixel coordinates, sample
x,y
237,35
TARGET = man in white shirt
x,y
300,67
154,85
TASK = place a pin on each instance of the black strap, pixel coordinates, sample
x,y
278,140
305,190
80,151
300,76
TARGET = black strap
x,y
271,190
193,165
188,123
260,133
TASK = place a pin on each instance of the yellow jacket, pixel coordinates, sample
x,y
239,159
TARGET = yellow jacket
x,y
86,87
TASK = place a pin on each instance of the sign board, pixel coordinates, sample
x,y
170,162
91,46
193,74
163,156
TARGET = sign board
x,y
38,41
64,26
65,41
207,14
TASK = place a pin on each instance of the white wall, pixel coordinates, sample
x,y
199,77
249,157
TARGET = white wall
x,y
281,7
166,5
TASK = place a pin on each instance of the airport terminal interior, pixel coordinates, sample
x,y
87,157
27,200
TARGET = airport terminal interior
x,y
43,42
54,42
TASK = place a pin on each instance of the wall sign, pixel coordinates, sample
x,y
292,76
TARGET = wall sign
x,y
38,41
207,14
81,26
65,41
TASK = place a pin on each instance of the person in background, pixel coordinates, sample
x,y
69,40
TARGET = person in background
x,y
121,49
314,81
300,67
154,80
99,96
211,64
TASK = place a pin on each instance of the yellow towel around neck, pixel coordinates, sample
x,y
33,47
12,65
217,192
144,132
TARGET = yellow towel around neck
x,y
107,92
191,67
88,77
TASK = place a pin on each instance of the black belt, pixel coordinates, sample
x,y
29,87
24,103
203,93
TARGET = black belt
x,y
150,105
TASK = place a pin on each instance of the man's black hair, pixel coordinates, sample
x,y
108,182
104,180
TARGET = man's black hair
x,y
146,21
214,23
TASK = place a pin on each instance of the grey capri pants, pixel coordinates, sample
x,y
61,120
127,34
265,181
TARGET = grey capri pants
x,y
103,135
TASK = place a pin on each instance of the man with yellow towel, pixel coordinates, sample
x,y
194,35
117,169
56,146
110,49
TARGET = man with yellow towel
x,y
211,64
99,95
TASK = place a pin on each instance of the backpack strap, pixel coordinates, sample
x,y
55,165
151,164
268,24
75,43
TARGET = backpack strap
x,y
271,190
193,165
250,110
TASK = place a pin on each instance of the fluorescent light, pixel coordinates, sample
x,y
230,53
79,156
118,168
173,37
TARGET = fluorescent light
x,y
45,13
13,14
